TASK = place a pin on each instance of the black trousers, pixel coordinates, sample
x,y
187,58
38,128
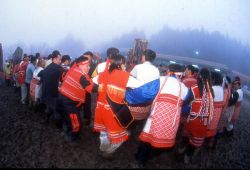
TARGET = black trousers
x,y
51,103
70,116
87,112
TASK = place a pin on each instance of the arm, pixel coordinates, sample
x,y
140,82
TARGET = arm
x,y
133,83
88,84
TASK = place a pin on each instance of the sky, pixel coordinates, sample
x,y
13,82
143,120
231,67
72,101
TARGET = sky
x,y
98,21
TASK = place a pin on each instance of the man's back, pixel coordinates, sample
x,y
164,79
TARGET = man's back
x,y
145,72
50,79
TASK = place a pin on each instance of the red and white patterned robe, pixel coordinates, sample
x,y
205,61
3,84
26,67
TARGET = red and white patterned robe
x,y
162,124
218,106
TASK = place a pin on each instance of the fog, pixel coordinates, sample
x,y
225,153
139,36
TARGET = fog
x,y
74,26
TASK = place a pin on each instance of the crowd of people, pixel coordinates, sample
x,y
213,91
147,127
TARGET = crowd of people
x,y
151,104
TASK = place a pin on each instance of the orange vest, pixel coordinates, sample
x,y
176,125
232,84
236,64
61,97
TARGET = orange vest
x,y
115,83
71,86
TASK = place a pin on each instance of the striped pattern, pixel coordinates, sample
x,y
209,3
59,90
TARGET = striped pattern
x,y
140,112
212,127
196,141
162,125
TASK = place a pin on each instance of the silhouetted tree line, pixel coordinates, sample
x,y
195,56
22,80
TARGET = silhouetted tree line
x,y
211,46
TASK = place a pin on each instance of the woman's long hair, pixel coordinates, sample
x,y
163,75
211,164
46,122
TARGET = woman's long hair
x,y
204,79
116,62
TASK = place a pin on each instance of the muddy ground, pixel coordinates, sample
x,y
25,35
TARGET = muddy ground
x,y
27,142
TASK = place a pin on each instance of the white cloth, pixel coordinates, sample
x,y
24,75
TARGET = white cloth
x,y
218,93
240,92
101,67
145,72
35,73
170,87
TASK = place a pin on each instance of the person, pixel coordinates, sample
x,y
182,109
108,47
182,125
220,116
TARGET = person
x,y
36,85
189,78
201,99
8,71
50,78
101,67
140,105
15,75
87,109
21,78
66,61
160,130
112,116
227,86
29,75
49,60
217,81
235,103
72,94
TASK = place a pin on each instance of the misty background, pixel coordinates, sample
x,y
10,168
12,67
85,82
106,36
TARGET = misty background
x,y
217,29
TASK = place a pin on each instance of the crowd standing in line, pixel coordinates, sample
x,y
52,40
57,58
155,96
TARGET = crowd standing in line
x,y
147,103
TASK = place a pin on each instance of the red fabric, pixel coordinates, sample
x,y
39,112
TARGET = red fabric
x,y
117,79
74,122
71,86
196,103
212,127
105,121
104,117
163,127
224,118
189,81
196,128
22,72
140,112
33,84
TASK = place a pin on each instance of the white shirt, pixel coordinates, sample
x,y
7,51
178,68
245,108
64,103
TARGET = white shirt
x,y
240,92
218,93
145,72
35,73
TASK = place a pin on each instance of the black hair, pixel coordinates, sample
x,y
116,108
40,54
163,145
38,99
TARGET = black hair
x,y
25,55
116,62
196,70
79,59
89,53
49,56
112,51
37,55
32,58
175,68
216,78
55,54
204,77
191,68
237,78
228,80
65,58
150,55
